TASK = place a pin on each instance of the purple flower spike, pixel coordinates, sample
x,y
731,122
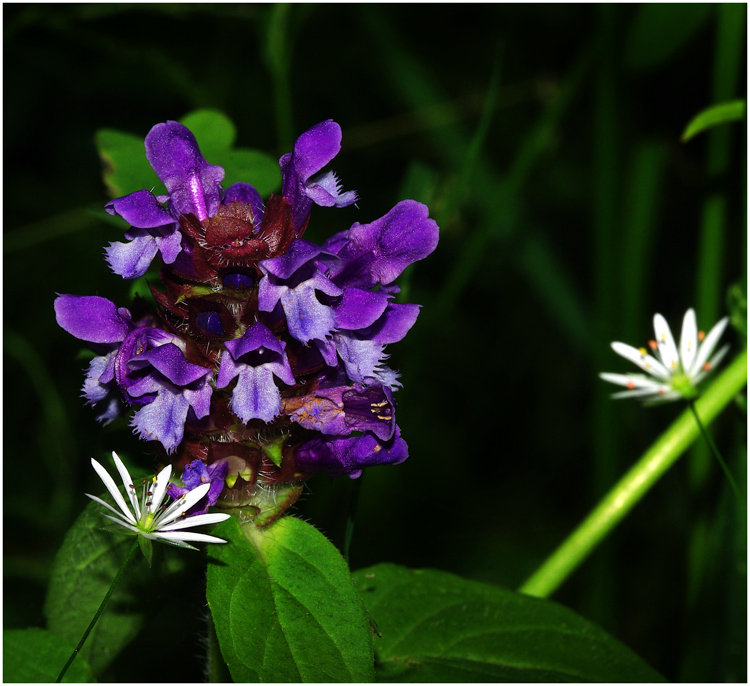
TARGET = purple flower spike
x,y
338,456
255,358
192,183
313,150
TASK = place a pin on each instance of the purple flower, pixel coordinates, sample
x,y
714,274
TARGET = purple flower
x,y
342,410
192,187
293,280
196,474
255,359
338,456
374,255
146,364
302,185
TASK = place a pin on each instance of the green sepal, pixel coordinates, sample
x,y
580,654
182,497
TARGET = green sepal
x,y
147,548
273,450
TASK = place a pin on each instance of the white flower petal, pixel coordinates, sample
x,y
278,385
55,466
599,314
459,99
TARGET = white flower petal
x,y
181,505
632,380
711,365
159,489
667,348
639,393
708,345
644,361
189,536
128,483
688,341
108,506
195,520
113,490
121,523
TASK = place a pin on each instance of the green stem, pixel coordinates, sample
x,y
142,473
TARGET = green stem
x,y
636,483
715,451
98,612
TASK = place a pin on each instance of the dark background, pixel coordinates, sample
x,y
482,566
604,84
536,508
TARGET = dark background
x,y
546,141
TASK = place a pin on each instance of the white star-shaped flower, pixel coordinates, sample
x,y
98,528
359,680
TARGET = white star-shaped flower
x,y
149,518
676,373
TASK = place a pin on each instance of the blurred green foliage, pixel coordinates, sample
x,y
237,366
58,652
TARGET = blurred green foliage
x,y
546,140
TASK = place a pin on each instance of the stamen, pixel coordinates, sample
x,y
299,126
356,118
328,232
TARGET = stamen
x,y
630,385
701,335
707,367
653,345
643,352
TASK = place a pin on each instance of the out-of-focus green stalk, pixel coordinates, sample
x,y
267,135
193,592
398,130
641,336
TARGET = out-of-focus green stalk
x,y
278,57
730,30
637,482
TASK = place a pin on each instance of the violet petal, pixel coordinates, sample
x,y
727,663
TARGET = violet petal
x,y
92,318
192,183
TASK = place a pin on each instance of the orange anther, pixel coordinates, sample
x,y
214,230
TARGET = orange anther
x,y
701,335
707,367
653,345
630,385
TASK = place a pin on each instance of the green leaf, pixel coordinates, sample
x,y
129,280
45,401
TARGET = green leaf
x,y
37,656
84,568
285,607
251,166
439,627
126,168
216,134
213,131
713,116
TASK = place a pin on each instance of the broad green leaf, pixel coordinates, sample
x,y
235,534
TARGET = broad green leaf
x,y
84,568
215,134
713,116
438,627
126,168
660,30
213,131
251,166
37,656
285,607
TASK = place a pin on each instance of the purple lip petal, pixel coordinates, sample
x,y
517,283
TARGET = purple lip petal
x,y
93,319
342,410
162,420
256,337
378,252
359,309
169,360
338,456
140,209
393,325
313,150
192,183
300,253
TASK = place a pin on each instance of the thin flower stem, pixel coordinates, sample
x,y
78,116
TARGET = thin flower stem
x,y
98,612
715,451
636,483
